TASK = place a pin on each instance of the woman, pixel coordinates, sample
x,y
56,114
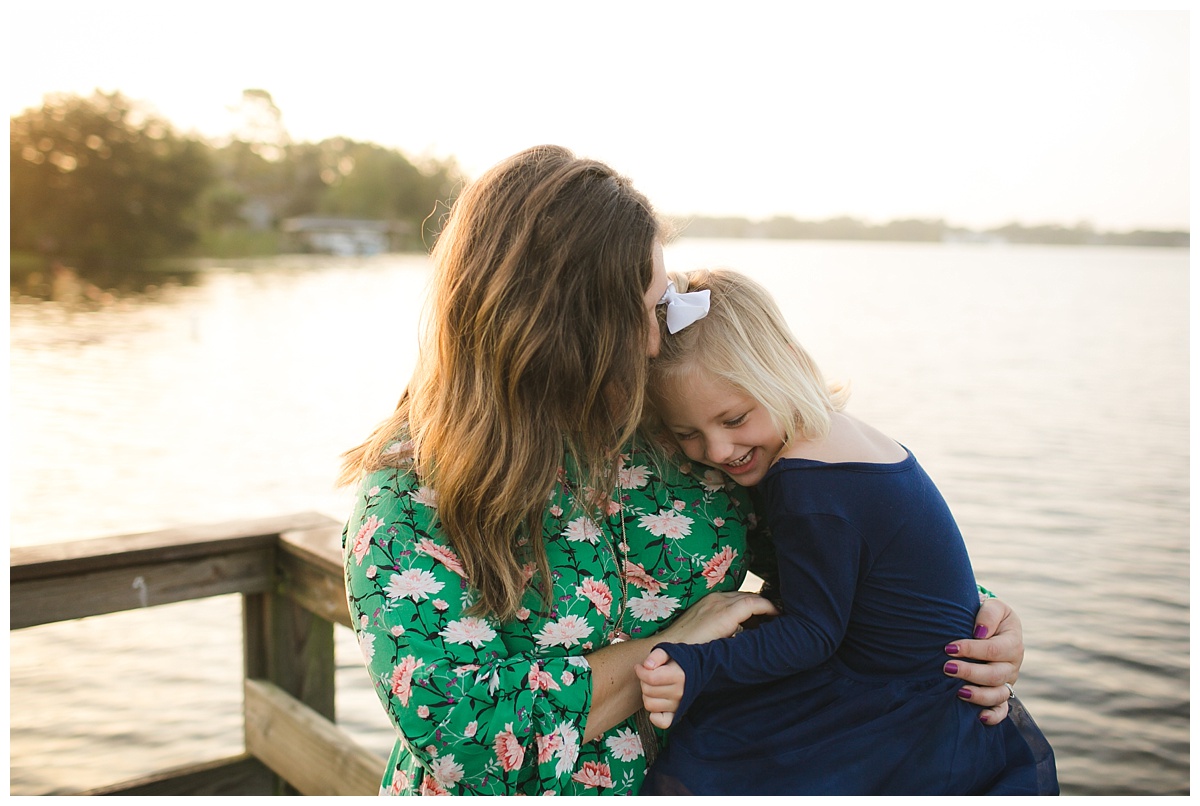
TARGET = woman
x,y
515,541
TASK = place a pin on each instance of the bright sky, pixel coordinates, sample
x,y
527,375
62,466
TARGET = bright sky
x,y
737,107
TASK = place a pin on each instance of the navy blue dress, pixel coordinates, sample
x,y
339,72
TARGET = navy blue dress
x,y
844,693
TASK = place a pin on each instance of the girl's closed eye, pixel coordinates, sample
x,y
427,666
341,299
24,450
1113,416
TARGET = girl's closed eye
x,y
736,421
688,435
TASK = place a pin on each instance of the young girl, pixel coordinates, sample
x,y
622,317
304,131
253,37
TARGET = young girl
x,y
844,693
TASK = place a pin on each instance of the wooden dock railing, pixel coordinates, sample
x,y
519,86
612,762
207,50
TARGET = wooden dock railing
x,y
289,572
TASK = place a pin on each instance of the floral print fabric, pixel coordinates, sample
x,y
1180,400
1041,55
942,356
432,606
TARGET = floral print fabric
x,y
489,708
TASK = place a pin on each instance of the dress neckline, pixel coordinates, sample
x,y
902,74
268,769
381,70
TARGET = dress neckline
x,y
788,463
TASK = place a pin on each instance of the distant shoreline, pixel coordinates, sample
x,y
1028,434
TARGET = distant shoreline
x,y
917,230
32,274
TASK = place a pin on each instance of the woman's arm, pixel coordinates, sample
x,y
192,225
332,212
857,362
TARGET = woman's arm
x,y
997,648
999,643
818,558
813,627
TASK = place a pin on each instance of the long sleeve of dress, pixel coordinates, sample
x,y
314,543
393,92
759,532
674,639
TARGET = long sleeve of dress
x,y
819,559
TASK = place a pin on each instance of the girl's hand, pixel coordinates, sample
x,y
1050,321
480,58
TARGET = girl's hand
x,y
615,692
717,615
999,642
662,682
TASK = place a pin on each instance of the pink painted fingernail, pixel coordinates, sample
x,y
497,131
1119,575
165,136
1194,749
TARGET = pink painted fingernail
x,y
981,631
951,668
951,649
983,718
965,693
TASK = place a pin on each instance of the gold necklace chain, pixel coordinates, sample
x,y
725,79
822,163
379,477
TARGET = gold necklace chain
x,y
616,634
645,729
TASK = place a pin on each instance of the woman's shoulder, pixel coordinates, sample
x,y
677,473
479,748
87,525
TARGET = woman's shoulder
x,y
850,440
395,491
392,511
396,460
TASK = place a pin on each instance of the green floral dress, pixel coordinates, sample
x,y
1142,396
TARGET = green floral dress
x,y
488,708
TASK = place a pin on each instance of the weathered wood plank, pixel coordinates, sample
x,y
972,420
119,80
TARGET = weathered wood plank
x,y
321,546
305,749
237,775
255,661
111,590
57,560
310,572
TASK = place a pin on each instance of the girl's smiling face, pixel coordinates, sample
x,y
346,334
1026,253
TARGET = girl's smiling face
x,y
719,425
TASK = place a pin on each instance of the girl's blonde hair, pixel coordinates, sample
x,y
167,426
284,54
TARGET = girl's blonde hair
x,y
745,341
534,344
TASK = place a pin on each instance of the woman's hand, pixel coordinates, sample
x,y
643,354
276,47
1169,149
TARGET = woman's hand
x,y
998,641
717,615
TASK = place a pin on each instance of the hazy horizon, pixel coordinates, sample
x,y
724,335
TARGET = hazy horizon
x,y
980,118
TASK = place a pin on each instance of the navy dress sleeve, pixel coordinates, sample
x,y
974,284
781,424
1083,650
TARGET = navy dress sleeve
x,y
820,559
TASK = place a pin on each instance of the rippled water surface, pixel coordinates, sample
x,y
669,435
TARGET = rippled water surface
x,y
1044,388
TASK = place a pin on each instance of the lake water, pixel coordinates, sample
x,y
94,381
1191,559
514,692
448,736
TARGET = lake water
x,y
1045,389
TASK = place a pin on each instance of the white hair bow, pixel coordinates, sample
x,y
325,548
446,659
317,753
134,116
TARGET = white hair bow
x,y
683,309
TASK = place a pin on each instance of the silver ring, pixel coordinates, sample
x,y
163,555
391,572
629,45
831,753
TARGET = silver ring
x,y
1011,691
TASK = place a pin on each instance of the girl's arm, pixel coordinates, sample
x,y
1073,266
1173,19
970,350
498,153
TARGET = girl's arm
x,y
818,584
616,694
998,647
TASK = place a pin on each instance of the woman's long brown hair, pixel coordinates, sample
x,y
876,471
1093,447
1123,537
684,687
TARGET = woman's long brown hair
x,y
534,345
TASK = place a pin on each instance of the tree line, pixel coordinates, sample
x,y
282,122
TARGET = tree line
x,y
102,184
926,230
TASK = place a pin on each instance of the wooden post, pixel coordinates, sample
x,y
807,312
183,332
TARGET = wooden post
x,y
289,646
292,649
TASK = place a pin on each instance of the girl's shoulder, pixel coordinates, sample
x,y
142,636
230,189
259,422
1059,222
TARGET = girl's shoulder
x,y
849,440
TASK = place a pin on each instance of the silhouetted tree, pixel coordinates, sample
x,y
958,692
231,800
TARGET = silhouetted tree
x,y
260,124
369,181
337,177
100,182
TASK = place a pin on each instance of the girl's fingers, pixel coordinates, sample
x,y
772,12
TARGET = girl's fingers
x,y
655,659
660,719
657,678
654,704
